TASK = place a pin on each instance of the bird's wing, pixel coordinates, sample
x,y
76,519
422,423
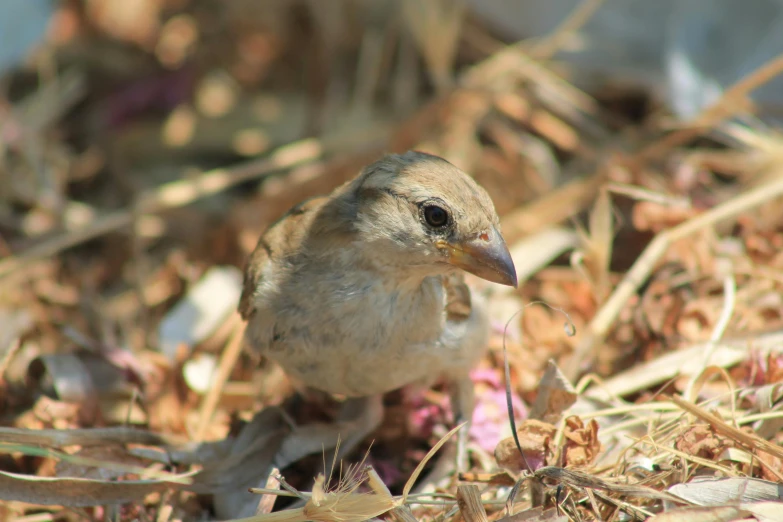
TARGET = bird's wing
x,y
253,270
283,239
458,305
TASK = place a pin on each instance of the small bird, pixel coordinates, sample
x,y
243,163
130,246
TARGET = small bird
x,y
360,292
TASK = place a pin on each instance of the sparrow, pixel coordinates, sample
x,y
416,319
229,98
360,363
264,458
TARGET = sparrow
x,y
361,292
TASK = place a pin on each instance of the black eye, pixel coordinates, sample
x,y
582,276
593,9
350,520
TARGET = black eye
x,y
435,216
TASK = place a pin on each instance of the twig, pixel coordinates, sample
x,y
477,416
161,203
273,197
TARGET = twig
x,y
705,375
512,63
554,207
748,419
435,27
50,247
420,467
750,440
267,502
682,361
168,196
5,362
553,42
729,300
603,320
579,479
469,502
403,514
36,517
227,361
178,194
438,499
642,194
50,102
725,107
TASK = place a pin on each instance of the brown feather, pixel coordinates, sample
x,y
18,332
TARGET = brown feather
x,y
457,297
287,234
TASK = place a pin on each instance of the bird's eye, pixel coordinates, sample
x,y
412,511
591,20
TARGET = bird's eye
x,y
435,216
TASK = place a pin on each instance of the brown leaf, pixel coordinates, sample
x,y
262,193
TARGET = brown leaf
x,y
599,247
581,442
702,514
87,437
537,514
534,437
655,217
77,491
717,491
114,454
702,441
555,395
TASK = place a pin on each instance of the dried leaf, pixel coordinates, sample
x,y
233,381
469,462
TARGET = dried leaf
x,y
13,323
683,362
582,446
342,505
469,502
701,441
700,514
720,491
555,395
597,246
537,514
582,480
749,439
602,231
534,437
116,455
77,492
247,464
764,511
66,377
88,437
769,400
436,29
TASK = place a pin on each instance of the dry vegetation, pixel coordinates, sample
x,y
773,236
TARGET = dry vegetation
x,y
147,144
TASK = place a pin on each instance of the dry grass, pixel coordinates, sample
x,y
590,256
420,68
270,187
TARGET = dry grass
x,y
661,245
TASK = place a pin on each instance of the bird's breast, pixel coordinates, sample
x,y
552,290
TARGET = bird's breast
x,y
356,335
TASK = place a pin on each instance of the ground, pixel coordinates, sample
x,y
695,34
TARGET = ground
x,y
146,145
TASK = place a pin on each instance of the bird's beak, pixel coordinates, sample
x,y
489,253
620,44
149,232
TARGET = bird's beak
x,y
485,256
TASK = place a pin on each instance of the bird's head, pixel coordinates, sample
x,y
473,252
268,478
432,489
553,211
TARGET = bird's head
x,y
419,211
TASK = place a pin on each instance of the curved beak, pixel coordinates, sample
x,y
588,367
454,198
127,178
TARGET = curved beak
x,y
485,256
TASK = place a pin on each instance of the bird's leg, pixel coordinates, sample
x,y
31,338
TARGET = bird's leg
x,y
358,418
462,398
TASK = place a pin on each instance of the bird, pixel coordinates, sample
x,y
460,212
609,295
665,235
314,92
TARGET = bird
x,y
362,292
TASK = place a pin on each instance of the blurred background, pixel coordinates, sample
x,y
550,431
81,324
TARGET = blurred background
x,y
146,144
